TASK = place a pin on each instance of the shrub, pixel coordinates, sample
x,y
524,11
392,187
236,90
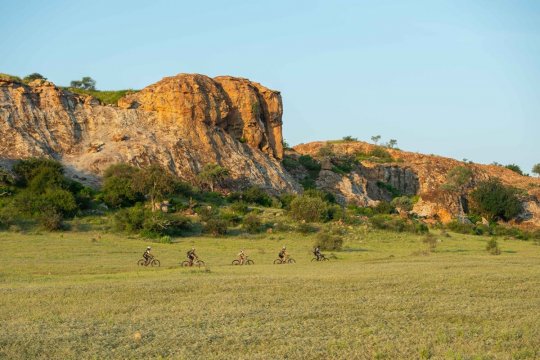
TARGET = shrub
x,y
51,220
515,168
130,219
395,223
307,208
460,227
380,153
496,201
321,194
384,207
256,195
326,150
329,242
536,169
309,163
32,77
119,186
403,203
240,207
349,138
25,170
216,227
252,224
290,163
493,247
207,212
230,217
389,188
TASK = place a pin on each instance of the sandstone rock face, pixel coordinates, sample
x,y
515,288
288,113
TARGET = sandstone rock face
x,y
182,122
414,174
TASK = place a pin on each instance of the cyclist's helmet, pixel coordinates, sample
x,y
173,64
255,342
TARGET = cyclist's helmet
x,y
284,248
148,248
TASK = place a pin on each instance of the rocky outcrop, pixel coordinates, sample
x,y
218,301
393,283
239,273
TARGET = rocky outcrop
x,y
182,122
411,174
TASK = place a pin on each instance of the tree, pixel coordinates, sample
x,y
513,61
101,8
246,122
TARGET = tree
x,y
349,138
536,169
308,209
86,83
156,183
495,200
212,175
514,168
118,186
33,76
391,144
376,139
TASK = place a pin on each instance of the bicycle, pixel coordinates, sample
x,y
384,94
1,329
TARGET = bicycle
x,y
284,261
150,262
320,258
190,263
246,262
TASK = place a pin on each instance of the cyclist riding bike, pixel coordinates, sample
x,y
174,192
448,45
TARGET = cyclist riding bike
x,y
317,253
191,255
146,255
283,255
242,257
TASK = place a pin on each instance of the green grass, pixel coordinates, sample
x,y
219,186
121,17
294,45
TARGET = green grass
x,y
105,96
9,77
80,295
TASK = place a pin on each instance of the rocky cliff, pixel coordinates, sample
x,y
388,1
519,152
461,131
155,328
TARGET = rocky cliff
x,y
410,174
181,122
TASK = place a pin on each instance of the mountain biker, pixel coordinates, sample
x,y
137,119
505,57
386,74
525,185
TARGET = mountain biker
x,y
283,254
191,255
242,256
317,253
146,255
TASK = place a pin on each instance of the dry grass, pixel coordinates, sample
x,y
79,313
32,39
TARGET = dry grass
x,y
385,297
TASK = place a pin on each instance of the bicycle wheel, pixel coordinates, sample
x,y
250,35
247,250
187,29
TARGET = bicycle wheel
x,y
291,261
141,262
325,259
200,263
155,262
236,262
278,261
185,263
250,262
314,259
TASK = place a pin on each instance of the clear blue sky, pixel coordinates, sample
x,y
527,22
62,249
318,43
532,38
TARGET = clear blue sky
x,y
454,78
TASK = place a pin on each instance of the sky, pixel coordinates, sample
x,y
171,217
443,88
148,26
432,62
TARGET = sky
x,y
453,78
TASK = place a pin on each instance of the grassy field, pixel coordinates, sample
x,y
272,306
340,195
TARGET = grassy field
x,y
80,295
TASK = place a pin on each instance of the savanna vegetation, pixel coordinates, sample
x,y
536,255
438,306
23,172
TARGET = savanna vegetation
x,y
393,288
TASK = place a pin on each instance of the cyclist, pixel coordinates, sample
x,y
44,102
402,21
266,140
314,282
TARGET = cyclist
x,y
191,255
317,253
146,255
283,255
242,257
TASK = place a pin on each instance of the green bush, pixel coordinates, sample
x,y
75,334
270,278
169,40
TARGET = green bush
x,y
252,223
329,242
240,207
493,247
286,200
309,163
230,217
403,203
515,168
256,195
389,188
130,219
119,188
290,163
207,212
309,209
495,200
321,194
397,224
216,227
25,170
384,207
51,220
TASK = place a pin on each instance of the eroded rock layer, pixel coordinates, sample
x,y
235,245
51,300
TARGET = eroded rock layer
x,y
181,122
